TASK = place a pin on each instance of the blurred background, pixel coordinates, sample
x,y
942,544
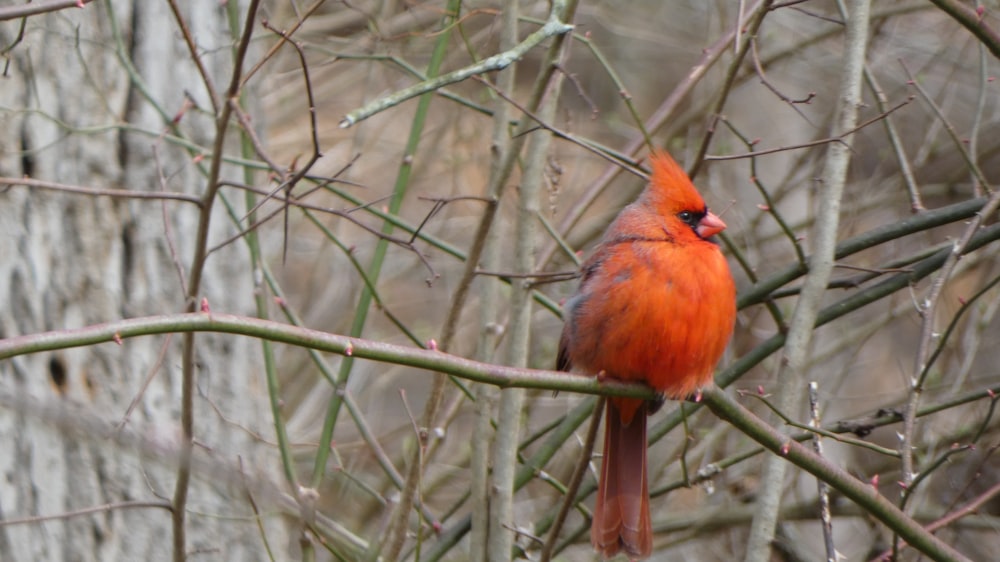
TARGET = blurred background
x,y
671,61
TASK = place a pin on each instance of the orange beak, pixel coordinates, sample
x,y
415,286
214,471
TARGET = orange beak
x,y
710,225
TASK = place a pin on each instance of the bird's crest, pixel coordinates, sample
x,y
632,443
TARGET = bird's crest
x,y
670,185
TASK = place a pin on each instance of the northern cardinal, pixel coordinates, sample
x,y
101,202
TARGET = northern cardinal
x,y
656,304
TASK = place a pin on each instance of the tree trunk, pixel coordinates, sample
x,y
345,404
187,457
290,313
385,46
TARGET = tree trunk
x,y
86,99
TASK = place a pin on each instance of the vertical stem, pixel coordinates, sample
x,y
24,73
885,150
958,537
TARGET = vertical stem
x,y
822,487
257,270
252,239
501,535
488,301
789,378
194,288
977,119
397,532
562,10
500,538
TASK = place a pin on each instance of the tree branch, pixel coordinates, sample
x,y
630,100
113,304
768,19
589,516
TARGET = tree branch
x,y
970,19
498,61
860,492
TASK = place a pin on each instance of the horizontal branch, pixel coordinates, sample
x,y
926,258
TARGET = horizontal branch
x,y
97,191
723,405
504,377
115,506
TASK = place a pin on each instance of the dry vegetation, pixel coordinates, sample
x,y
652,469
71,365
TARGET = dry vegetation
x,y
862,362
930,112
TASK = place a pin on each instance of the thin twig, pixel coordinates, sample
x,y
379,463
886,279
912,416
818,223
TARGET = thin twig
x,y
551,277
421,433
34,519
101,192
194,55
258,518
968,509
439,203
168,234
959,145
818,431
838,138
288,183
822,488
905,166
768,200
569,499
623,92
742,48
153,370
544,124
255,142
774,90
286,35
977,118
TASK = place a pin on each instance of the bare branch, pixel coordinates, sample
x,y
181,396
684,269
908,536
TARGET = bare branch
x,y
972,19
499,61
40,7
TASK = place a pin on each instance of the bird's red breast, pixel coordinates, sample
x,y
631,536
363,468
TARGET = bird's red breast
x,y
656,304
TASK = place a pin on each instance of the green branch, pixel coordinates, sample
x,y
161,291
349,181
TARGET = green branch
x,y
504,377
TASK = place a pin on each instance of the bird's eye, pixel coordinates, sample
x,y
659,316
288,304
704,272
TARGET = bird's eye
x,y
689,218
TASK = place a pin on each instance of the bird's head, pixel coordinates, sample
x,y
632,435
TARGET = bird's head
x,y
675,198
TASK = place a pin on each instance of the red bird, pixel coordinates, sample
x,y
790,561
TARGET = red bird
x,y
656,304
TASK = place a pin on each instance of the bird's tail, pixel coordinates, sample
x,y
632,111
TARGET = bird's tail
x,y
621,514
